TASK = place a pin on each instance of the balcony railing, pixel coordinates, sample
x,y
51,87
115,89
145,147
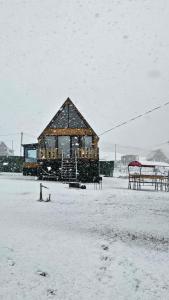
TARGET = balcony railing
x,y
89,153
80,153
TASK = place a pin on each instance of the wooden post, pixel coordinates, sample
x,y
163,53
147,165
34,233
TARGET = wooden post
x,y
41,197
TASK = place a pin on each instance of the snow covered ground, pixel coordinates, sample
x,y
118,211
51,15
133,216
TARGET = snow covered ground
x,y
84,244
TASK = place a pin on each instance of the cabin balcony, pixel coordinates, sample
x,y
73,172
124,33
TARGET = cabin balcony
x,y
79,153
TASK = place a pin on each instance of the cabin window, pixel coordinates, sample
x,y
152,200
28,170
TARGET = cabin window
x,y
75,141
30,155
50,142
64,145
87,142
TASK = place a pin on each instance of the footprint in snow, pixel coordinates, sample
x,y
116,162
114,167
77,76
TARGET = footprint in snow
x,y
11,262
42,273
104,258
104,247
51,292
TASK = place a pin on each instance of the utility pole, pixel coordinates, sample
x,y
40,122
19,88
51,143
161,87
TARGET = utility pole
x,y
12,148
21,143
115,151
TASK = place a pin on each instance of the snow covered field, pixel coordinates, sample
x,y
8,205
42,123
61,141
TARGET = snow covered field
x,y
85,244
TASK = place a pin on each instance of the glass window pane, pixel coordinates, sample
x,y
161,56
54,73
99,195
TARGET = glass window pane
x,y
50,141
87,142
31,155
75,142
64,145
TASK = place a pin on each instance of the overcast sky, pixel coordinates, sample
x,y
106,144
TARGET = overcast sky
x,y
110,57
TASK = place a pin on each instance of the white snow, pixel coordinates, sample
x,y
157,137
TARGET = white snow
x,y
143,161
85,244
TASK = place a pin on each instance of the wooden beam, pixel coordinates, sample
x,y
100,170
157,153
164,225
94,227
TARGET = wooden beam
x,y
68,132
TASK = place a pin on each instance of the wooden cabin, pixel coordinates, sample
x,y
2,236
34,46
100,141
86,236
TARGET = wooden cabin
x,y
68,147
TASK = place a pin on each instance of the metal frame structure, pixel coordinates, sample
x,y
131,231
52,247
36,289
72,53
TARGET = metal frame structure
x,y
142,175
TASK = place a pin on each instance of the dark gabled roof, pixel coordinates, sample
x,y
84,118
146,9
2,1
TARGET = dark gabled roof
x,y
32,145
68,101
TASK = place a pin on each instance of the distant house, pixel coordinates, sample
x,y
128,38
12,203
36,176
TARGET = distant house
x,y
4,150
158,155
126,159
67,149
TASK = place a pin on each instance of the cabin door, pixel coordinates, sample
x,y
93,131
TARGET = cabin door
x,y
64,145
74,145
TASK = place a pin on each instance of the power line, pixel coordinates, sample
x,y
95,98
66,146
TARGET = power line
x,y
135,118
134,148
113,128
164,143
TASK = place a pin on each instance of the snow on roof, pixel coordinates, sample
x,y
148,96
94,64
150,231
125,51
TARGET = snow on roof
x,y
143,161
139,164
